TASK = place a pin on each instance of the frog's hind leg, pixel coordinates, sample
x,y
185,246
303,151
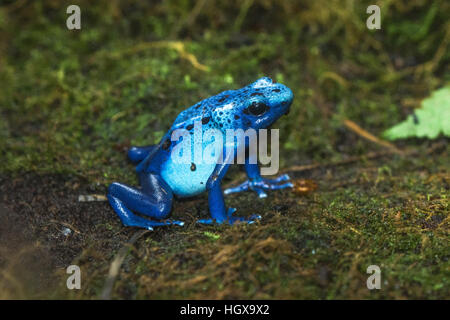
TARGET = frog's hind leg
x,y
153,199
137,154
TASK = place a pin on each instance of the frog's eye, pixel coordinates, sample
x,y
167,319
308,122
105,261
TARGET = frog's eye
x,y
257,108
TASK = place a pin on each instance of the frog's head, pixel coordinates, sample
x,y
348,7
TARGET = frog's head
x,y
263,103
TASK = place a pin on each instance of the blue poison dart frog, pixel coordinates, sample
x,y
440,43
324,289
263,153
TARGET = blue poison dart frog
x,y
255,106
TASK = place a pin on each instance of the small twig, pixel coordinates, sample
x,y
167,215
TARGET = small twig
x,y
178,46
117,263
367,135
91,198
334,76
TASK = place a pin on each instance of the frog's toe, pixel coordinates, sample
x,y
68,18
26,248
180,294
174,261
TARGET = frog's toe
x,y
282,178
274,184
213,221
260,192
176,222
230,219
249,220
230,211
278,186
242,187
206,221
137,221
261,184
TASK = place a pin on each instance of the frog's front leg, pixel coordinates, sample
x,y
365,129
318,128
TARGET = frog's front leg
x,y
258,184
153,199
219,213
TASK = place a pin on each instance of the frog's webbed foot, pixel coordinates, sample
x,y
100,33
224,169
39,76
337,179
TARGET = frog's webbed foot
x,y
231,219
249,220
260,184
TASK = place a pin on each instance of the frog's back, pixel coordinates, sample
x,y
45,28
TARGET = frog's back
x,y
190,177
200,110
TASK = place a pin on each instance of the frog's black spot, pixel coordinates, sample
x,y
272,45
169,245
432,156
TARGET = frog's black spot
x,y
229,121
221,125
201,182
236,117
166,144
276,90
193,166
256,94
189,127
205,120
245,111
221,112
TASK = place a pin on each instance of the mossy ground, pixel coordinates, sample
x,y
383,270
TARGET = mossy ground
x,y
72,102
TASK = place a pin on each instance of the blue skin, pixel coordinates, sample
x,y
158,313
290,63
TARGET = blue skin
x,y
256,106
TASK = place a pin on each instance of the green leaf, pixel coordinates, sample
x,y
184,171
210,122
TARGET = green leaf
x,y
432,119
